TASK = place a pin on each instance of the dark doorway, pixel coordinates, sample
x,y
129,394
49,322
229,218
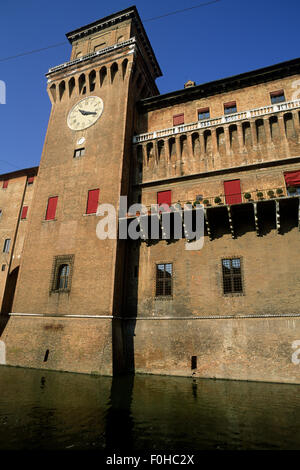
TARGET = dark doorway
x,y
9,292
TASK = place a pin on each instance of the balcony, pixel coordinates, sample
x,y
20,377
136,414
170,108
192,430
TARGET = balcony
x,y
262,212
226,119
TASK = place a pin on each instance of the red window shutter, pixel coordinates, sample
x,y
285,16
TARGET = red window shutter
x,y
24,212
203,110
92,203
164,197
5,184
30,180
51,209
233,192
178,119
277,93
292,178
230,104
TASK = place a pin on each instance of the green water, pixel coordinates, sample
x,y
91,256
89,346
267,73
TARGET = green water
x,y
51,410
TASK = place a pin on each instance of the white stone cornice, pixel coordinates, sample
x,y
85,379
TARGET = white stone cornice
x,y
131,43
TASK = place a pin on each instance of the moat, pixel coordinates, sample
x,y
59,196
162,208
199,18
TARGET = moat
x,y
44,410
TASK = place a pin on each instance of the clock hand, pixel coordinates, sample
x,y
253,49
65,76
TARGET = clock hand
x,y
86,113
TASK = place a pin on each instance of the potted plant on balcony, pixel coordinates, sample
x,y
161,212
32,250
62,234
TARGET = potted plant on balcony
x,y
271,193
218,200
196,203
247,196
260,195
279,192
206,202
178,206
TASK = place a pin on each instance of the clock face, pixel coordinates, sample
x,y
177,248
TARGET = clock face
x,y
85,113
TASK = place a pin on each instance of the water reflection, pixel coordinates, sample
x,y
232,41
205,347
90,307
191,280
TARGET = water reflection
x,y
51,410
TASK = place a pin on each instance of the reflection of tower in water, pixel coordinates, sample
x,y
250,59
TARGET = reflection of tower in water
x,y
119,422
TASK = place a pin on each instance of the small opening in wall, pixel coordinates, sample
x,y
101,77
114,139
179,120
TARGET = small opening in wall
x,y
46,355
194,362
3,267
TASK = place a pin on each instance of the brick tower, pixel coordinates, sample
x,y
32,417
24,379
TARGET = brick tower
x,y
70,282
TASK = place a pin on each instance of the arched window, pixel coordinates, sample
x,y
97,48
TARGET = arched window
x,y
62,270
63,276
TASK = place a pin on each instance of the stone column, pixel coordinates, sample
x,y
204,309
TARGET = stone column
x,y
178,156
268,137
191,157
253,133
296,124
167,157
215,163
239,127
284,140
228,151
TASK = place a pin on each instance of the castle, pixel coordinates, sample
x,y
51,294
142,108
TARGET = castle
x,y
73,302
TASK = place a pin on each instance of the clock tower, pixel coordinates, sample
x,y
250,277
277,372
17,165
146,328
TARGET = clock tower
x,y
70,282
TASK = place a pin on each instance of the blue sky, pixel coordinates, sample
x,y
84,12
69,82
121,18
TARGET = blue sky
x,y
203,44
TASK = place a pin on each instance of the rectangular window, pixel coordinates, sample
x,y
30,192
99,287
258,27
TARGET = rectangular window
x,y
178,119
79,152
24,212
164,276
3,267
277,96
164,197
203,113
5,184
62,272
51,208
92,202
230,107
30,180
232,276
6,246
292,181
232,191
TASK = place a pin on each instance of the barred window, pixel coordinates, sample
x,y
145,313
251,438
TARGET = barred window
x,y
62,271
164,276
232,276
63,277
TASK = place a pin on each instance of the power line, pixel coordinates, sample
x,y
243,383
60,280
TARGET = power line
x,y
4,161
181,11
34,51
175,12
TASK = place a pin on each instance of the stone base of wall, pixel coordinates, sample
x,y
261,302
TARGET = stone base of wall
x,y
259,349
74,345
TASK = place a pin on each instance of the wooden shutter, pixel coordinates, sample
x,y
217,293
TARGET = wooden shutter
x,y
178,119
5,184
24,212
51,209
164,197
92,203
230,104
233,192
277,93
292,178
